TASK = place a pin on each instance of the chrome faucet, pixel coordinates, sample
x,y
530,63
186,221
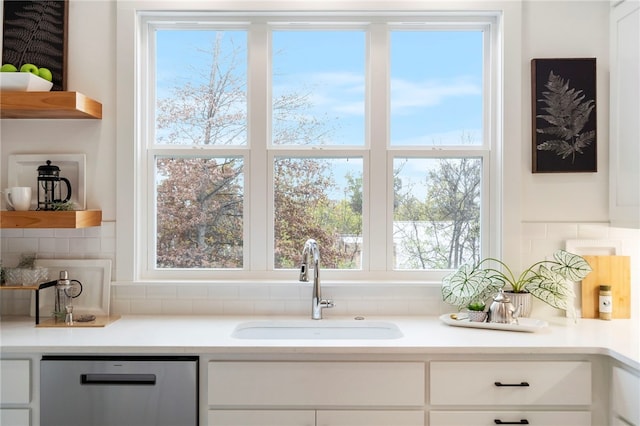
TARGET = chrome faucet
x,y
317,303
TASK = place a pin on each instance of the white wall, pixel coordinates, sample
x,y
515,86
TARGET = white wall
x,y
553,207
558,29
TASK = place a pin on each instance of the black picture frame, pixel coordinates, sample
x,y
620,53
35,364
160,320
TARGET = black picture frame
x,y
35,32
563,123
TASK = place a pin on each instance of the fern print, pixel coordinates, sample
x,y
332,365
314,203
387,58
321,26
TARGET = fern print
x,y
567,112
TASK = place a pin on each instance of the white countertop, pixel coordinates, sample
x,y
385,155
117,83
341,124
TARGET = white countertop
x,y
619,339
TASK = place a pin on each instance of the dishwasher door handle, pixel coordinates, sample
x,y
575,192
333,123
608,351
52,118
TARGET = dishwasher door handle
x,y
118,379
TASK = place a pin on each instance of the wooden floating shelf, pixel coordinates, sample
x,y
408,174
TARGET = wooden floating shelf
x,y
50,219
48,105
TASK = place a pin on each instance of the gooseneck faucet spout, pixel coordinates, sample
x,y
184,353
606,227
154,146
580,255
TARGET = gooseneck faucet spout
x,y
312,252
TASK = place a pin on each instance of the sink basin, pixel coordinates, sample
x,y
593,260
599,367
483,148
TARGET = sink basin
x,y
320,329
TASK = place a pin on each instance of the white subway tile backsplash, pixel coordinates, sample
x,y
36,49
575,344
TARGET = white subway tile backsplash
x,y
162,292
534,230
124,292
207,307
144,307
23,245
562,231
12,233
176,306
62,245
46,245
92,245
224,292
38,233
539,241
593,231
192,292
69,233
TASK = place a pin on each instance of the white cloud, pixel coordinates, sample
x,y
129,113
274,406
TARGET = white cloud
x,y
407,95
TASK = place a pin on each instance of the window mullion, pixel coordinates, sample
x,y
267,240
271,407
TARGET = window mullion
x,y
259,232
378,168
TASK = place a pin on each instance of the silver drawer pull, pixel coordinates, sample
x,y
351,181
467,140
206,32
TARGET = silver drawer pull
x,y
521,385
521,422
118,379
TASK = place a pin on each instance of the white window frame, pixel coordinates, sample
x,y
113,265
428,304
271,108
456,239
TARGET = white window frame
x,y
131,217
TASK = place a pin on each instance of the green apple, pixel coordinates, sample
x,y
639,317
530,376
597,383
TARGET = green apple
x,y
8,68
29,68
45,73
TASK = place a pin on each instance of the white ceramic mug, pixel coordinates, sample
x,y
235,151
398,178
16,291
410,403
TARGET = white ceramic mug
x,y
19,197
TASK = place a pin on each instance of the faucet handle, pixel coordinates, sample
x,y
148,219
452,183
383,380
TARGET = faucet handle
x,y
327,303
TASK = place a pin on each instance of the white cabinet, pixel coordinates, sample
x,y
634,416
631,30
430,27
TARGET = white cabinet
x,y
503,389
315,418
625,397
14,417
316,384
624,140
15,381
316,393
15,392
262,418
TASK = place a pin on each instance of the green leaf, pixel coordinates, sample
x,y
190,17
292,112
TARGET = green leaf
x,y
467,285
570,265
552,288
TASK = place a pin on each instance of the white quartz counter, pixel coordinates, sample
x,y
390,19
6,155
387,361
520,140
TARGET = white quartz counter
x,y
619,339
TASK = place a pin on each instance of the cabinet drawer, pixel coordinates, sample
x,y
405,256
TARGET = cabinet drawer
x,y
625,394
14,417
316,384
370,418
509,383
485,418
262,418
15,381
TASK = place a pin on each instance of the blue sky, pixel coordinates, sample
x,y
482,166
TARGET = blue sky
x,y
436,78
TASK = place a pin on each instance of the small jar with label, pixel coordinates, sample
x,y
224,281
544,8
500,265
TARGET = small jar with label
x,y
605,306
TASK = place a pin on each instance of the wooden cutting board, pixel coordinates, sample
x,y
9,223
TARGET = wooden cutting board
x,y
607,270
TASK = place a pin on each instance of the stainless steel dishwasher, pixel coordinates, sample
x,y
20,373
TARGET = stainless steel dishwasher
x,y
119,390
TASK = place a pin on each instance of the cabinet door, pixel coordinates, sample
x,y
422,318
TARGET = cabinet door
x,y
487,418
625,395
370,418
510,383
14,417
261,418
624,156
316,384
15,381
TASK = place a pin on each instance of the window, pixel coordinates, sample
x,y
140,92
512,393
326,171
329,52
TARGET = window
x,y
372,136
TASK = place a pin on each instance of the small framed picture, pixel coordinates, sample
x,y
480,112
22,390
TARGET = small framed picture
x,y
563,93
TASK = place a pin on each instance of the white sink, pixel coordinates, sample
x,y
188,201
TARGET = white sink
x,y
320,329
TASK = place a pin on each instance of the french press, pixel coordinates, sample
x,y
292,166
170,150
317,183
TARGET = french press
x,y
49,187
66,291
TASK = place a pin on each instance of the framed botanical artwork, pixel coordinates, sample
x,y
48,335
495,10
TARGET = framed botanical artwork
x,y
35,32
563,115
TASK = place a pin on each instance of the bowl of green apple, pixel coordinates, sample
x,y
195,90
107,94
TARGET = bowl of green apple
x,y
27,78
